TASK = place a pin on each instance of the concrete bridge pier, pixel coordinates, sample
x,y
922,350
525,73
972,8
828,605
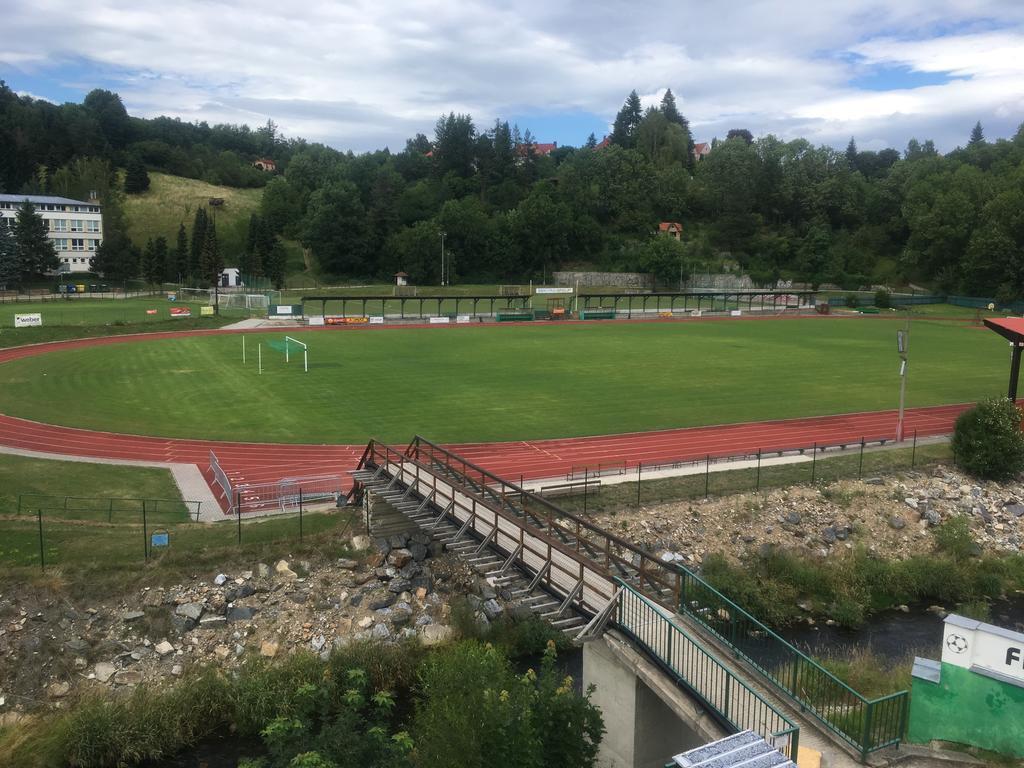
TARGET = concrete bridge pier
x,y
646,717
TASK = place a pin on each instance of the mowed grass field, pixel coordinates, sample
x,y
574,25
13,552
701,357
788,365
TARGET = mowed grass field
x,y
78,312
502,383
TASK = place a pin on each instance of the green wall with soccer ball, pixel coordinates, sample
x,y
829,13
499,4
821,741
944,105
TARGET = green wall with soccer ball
x,y
968,708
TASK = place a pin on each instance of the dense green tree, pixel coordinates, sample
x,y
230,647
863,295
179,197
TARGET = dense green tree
x,y
136,178
335,229
666,259
274,262
740,133
10,268
36,253
109,111
627,121
117,258
454,140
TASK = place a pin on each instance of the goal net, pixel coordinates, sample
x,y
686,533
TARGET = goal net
x,y
247,301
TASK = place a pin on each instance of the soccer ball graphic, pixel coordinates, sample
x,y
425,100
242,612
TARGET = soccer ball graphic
x,y
956,643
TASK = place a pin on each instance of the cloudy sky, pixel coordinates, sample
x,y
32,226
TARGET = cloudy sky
x,y
366,74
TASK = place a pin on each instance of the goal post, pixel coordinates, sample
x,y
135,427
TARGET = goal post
x,y
305,352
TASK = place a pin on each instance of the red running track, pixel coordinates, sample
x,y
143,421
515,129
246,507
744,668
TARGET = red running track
x,y
531,459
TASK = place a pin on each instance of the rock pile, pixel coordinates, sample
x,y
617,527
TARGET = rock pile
x,y
894,517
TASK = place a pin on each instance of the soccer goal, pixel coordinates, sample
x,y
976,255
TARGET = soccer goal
x,y
195,295
288,343
250,302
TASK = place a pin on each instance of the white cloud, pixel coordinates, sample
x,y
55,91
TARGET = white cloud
x,y
362,74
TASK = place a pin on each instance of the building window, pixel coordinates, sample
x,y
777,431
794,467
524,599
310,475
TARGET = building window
x,y
60,243
92,226
58,225
77,244
92,244
77,226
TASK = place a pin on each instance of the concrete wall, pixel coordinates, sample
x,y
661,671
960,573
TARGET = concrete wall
x,y
640,280
648,719
968,708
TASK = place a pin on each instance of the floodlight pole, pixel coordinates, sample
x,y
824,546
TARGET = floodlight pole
x,y
443,235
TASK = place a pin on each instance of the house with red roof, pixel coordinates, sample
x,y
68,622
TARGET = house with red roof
x,y
539,150
700,151
671,228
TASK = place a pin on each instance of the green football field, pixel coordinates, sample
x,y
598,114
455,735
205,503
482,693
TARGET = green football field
x,y
502,383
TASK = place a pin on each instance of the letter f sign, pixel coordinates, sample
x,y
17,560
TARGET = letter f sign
x,y
1012,655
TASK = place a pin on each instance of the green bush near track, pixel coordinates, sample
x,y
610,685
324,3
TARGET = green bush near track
x,y
509,383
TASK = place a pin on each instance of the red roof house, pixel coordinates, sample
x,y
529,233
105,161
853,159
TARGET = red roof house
x,y
702,150
672,228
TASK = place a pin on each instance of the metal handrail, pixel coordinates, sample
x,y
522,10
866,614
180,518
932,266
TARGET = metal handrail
x,y
866,724
706,678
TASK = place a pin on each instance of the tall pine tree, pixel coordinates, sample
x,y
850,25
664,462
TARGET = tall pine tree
x,y
210,262
851,155
36,252
160,259
671,111
148,265
196,245
136,179
177,268
627,121
977,135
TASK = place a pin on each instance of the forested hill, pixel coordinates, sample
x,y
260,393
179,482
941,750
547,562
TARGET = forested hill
x,y
511,208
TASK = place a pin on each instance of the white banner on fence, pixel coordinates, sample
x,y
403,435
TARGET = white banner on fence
x,y
377,320
26,321
440,320
463,319
554,290
316,319
735,312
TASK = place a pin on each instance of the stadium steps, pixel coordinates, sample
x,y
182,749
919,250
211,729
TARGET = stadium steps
x,y
513,584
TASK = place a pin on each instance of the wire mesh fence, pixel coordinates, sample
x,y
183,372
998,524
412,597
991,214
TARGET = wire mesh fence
x,y
620,485
48,531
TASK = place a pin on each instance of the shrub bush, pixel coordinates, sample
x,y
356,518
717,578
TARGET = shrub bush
x,y
882,299
987,440
851,301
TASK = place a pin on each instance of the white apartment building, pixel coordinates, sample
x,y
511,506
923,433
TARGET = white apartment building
x,y
76,226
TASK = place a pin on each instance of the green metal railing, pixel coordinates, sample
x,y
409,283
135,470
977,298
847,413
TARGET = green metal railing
x,y
867,725
737,705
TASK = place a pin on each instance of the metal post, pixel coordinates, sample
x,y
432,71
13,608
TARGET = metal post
x,y
145,533
259,354
300,514
860,467
243,349
1014,373
639,469
238,512
707,475
757,485
814,461
585,479
42,555
913,451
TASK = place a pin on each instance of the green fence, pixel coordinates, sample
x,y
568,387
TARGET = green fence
x,y
867,725
736,705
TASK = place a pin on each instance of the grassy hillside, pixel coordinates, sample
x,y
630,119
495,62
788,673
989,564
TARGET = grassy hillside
x,y
171,200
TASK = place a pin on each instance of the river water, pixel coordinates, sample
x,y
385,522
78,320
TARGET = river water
x,y
894,635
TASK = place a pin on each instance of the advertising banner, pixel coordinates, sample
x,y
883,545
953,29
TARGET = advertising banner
x,y
316,319
181,312
346,320
440,320
151,311
463,319
207,310
377,320
553,290
28,321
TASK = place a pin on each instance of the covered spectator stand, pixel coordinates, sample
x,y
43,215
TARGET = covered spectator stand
x,y
1011,329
